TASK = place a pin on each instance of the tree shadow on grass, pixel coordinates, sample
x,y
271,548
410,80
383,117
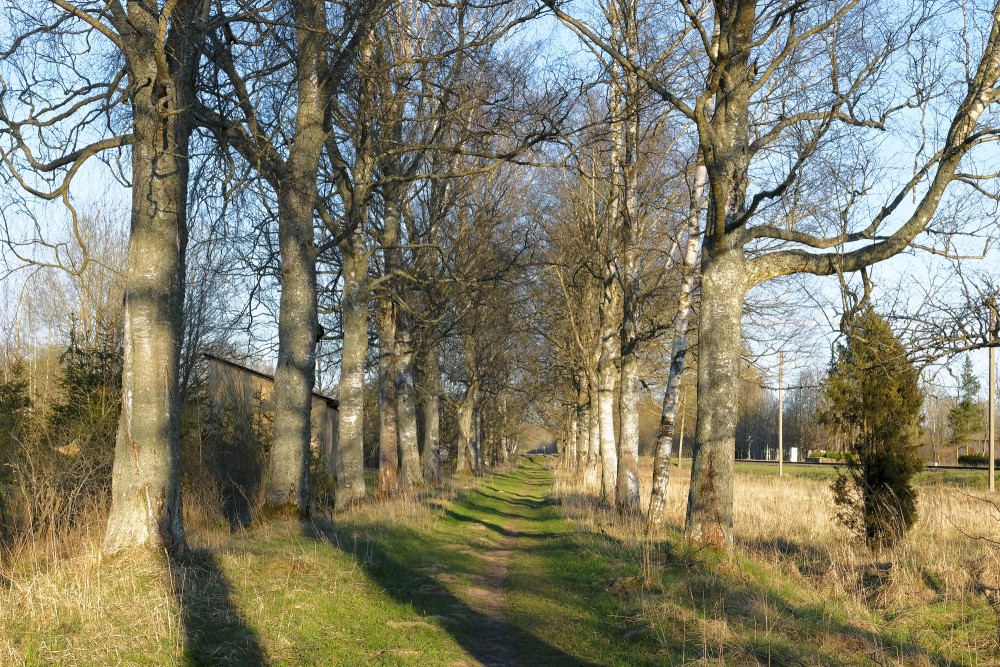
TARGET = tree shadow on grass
x,y
707,599
215,632
403,563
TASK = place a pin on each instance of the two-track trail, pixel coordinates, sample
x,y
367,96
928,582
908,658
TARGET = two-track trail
x,y
492,573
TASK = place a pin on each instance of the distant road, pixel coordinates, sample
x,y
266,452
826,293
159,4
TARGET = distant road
x,y
831,465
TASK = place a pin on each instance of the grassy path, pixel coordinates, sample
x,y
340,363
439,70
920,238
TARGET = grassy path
x,y
501,575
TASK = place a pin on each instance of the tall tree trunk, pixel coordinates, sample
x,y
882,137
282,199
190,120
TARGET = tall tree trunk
x,y
582,424
146,506
354,320
709,518
288,471
592,471
388,314
678,354
468,459
627,496
295,375
388,440
607,374
466,437
570,440
430,399
625,106
406,409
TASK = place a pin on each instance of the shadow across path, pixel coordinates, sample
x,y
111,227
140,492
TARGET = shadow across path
x,y
404,564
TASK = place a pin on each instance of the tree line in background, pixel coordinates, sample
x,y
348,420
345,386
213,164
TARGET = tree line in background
x,y
457,223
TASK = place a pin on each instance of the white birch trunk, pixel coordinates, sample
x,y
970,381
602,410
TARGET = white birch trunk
x,y
607,374
671,395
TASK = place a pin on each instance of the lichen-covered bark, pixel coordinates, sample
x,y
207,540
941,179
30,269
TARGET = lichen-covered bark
x,y
288,470
294,376
146,507
354,320
406,409
709,520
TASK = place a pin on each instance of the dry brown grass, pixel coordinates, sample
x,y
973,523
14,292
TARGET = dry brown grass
x,y
788,540
792,521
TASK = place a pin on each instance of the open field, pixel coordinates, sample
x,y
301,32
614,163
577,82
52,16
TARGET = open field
x,y
506,571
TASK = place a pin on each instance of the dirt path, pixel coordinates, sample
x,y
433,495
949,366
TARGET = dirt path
x,y
487,594
499,519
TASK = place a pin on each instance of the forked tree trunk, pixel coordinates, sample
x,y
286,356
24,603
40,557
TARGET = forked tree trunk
x,y
406,409
430,400
388,440
146,507
709,518
354,320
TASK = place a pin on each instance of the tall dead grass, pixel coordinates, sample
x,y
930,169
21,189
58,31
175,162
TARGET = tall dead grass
x,y
790,524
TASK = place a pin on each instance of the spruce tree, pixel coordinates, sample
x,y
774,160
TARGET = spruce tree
x,y
873,396
966,419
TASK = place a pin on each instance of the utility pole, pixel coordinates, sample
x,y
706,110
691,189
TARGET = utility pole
x,y
781,412
992,417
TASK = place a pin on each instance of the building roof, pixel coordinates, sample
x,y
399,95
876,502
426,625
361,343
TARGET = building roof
x,y
329,400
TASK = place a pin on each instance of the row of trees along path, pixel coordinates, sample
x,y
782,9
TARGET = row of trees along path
x,y
799,90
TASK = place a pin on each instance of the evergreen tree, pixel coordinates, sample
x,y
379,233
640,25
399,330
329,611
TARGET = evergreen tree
x,y
873,396
87,415
966,418
15,404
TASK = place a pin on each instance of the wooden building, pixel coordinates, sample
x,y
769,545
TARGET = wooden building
x,y
231,383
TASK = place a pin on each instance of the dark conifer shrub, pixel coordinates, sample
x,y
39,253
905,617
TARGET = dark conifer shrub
x,y
873,396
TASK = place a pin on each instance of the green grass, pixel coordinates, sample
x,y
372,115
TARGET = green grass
x,y
972,479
